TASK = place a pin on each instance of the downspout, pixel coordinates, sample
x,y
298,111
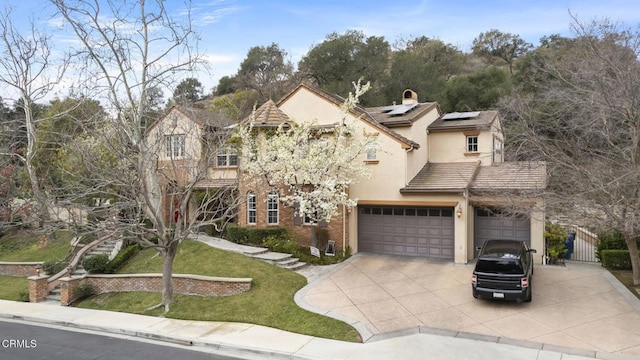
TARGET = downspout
x,y
344,227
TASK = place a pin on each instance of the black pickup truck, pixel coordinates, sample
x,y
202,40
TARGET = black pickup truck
x,y
503,271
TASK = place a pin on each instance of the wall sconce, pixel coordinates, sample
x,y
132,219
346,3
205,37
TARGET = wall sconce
x,y
459,211
38,269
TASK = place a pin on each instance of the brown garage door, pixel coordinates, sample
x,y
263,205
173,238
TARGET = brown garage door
x,y
411,231
492,223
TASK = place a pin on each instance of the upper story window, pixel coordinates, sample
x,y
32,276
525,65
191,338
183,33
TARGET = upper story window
x,y
273,214
251,208
472,143
227,157
175,145
498,155
371,151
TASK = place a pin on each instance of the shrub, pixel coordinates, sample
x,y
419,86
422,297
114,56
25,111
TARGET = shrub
x,y
554,236
121,258
617,259
53,267
83,291
280,244
611,241
253,236
96,264
23,296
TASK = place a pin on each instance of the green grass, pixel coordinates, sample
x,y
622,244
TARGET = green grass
x,y
269,302
25,246
13,287
626,278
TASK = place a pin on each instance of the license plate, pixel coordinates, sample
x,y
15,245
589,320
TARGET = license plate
x,y
498,295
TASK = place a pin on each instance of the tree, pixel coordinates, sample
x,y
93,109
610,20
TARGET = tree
x,y
423,65
267,71
26,67
141,47
478,91
188,90
340,58
506,46
226,85
579,112
310,165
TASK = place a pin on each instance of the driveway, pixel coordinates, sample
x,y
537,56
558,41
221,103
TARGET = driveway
x,y
579,305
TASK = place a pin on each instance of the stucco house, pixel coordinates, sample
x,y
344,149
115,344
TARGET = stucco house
x,y
439,185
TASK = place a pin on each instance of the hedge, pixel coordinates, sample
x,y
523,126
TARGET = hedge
x,y
121,258
617,259
253,236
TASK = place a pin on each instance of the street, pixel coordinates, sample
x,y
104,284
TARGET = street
x,y
32,342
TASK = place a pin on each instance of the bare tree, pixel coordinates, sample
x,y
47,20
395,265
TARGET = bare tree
x,y
26,68
147,177
578,110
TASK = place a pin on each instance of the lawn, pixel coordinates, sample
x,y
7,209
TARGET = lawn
x,y
14,288
269,303
626,278
25,246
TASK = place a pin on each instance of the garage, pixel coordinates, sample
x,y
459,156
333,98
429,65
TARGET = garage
x,y
413,231
493,223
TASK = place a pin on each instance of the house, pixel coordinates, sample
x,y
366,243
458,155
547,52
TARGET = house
x,y
439,186
191,150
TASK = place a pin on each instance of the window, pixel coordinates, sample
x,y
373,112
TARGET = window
x,y
372,152
175,145
472,143
227,157
497,150
251,208
272,209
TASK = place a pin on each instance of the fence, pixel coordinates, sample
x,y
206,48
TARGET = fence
x,y
584,244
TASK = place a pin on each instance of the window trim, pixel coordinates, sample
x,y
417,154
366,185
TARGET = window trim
x,y
371,153
175,146
273,208
227,153
252,208
469,145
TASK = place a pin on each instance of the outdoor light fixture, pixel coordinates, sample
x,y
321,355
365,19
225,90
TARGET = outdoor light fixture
x,y
459,211
38,268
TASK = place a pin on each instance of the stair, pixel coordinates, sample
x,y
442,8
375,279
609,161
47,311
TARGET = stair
x,y
285,261
54,295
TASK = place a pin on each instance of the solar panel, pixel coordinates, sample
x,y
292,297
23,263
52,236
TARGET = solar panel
x,y
402,109
385,109
461,115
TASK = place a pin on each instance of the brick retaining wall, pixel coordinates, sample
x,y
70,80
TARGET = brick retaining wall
x,y
182,284
18,268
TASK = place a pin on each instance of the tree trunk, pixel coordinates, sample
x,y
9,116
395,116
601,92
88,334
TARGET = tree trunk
x,y
168,255
635,260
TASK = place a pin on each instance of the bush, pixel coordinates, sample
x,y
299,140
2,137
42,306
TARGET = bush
x,y
96,264
611,241
23,296
554,236
280,244
83,291
53,267
617,259
253,236
121,258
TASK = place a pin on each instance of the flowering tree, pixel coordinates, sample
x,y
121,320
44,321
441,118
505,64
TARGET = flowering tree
x,y
311,165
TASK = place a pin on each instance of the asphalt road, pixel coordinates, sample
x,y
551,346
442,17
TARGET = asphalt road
x,y
32,342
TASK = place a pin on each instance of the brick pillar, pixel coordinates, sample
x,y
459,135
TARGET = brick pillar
x,y
38,289
67,289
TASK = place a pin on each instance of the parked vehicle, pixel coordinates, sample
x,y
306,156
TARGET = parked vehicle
x,y
503,271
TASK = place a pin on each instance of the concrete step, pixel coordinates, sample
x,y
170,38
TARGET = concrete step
x,y
296,266
287,262
271,257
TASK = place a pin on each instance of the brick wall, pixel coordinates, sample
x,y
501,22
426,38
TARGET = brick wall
x,y
38,288
182,284
303,232
18,268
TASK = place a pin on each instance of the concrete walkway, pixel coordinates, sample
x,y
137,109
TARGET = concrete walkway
x,y
259,342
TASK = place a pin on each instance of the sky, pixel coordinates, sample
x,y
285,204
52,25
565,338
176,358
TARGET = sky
x,y
229,28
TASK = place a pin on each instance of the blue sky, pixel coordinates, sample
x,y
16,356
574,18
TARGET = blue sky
x,y
228,28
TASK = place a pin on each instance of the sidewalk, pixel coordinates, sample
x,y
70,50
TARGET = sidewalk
x,y
253,341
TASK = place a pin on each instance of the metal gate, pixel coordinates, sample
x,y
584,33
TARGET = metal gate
x,y
584,244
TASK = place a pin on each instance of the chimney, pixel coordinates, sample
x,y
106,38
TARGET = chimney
x,y
409,97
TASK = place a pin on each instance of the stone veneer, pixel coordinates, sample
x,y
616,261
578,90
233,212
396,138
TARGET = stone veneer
x,y
19,268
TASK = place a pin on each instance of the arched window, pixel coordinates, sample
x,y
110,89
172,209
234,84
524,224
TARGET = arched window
x,y
251,208
273,214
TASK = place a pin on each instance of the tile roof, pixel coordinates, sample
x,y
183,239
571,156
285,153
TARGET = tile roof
x,y
484,119
203,116
215,183
458,176
521,175
443,177
269,115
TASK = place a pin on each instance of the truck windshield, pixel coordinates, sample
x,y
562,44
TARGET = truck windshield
x,y
500,266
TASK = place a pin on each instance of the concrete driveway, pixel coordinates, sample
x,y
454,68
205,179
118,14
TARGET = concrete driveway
x,y
579,305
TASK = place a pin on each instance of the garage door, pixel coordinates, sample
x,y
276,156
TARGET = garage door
x,y
494,224
411,231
